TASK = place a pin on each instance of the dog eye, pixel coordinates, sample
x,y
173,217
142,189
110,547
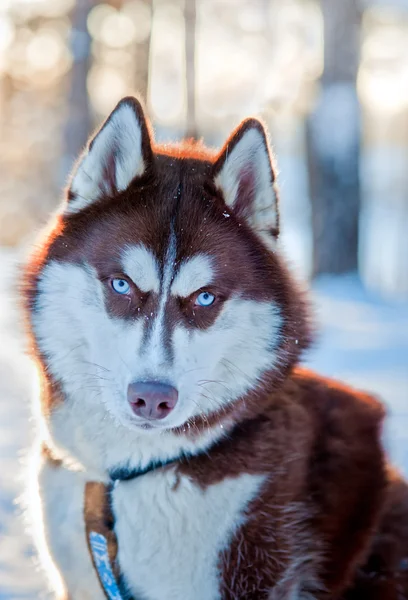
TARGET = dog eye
x,y
205,299
120,286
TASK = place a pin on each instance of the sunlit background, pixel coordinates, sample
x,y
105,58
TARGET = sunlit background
x,y
329,78
202,66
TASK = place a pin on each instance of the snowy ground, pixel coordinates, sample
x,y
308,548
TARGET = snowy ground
x,y
363,341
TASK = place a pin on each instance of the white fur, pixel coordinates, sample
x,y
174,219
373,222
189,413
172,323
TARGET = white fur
x,y
62,494
95,357
171,532
193,274
154,353
227,359
141,266
120,140
251,154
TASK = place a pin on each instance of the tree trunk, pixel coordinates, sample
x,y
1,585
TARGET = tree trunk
x,y
79,121
334,144
190,33
142,59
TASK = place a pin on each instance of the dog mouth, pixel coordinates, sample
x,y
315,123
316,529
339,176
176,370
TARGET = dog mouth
x,y
152,426
146,426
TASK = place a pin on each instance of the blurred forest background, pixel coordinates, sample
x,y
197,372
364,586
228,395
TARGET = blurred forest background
x,y
330,79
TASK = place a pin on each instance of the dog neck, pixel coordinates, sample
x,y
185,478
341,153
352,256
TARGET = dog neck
x,y
125,474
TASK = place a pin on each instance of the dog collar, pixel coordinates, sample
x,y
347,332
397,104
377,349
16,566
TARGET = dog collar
x,y
126,474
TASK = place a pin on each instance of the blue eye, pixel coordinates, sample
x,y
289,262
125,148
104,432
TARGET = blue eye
x,y
121,286
205,299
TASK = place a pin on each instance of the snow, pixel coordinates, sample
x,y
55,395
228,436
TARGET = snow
x,y
363,340
19,577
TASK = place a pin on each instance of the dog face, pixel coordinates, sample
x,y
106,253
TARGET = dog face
x,y
158,296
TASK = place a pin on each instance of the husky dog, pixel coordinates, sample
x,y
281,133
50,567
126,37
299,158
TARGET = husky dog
x,y
167,331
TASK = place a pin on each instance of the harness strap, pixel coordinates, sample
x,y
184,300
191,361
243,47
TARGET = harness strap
x,y
101,537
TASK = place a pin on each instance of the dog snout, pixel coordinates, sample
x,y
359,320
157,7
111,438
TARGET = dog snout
x,y
152,400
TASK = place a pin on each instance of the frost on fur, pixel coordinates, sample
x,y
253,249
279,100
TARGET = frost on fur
x,y
245,175
117,154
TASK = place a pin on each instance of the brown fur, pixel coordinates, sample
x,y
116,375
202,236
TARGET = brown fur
x,y
319,442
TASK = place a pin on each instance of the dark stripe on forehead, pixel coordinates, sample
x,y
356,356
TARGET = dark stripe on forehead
x,y
166,260
162,318
178,193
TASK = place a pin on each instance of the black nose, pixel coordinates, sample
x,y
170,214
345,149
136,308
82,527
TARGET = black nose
x,y
152,400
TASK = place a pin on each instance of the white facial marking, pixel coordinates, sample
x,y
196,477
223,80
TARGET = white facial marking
x,y
155,347
193,274
142,267
120,141
236,350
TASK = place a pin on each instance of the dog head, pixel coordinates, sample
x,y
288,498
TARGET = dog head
x,y
158,295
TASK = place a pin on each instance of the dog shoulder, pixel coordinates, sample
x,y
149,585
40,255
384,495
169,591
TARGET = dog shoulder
x,y
319,445
344,412
347,476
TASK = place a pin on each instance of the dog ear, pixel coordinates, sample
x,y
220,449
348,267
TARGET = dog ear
x,y
118,153
245,174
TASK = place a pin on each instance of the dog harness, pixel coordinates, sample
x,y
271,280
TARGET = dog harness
x,y
100,533
101,538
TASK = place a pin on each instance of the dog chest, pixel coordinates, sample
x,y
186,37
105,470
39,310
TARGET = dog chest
x,y
171,532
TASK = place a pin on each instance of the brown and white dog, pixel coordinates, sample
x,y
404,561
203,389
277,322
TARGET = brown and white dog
x,y
167,330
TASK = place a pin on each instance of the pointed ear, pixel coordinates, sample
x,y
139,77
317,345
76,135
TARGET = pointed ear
x,y
245,174
120,151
